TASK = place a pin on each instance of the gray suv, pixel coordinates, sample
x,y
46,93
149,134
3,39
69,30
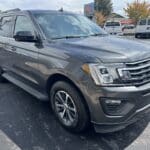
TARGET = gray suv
x,y
89,77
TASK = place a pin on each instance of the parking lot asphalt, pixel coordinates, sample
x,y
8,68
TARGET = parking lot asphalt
x,y
28,124
146,41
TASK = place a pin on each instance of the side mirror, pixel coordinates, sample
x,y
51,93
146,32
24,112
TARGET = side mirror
x,y
25,36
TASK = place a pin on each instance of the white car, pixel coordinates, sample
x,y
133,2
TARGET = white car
x,y
143,28
129,29
113,27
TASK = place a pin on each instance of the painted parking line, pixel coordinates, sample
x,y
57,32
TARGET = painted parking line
x,y
142,142
6,143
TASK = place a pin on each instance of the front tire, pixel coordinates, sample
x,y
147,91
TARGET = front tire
x,y
138,36
68,106
2,80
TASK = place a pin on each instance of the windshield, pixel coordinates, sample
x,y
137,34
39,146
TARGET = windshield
x,y
66,25
110,24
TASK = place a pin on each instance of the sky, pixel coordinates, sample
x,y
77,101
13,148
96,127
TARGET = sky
x,y
69,5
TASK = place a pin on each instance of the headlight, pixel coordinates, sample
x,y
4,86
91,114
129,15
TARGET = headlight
x,y
124,74
100,74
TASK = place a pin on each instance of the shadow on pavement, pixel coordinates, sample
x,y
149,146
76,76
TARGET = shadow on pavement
x,y
31,125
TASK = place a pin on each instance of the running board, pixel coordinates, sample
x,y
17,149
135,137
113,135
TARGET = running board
x,y
25,87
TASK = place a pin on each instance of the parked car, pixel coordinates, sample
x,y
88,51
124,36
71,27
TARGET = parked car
x,y
143,29
113,27
88,76
129,29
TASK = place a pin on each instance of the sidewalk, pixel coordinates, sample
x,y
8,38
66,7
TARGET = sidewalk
x,y
142,142
6,143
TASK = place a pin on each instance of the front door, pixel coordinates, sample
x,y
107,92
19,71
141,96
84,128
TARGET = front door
x,y
26,53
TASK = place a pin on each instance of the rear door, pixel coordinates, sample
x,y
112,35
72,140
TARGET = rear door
x,y
6,31
26,53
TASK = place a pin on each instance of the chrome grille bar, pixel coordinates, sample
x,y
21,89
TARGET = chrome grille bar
x,y
139,72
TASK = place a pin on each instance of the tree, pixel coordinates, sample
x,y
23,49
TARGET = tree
x,y
138,10
104,7
100,18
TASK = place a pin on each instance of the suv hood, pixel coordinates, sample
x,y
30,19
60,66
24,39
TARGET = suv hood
x,y
107,49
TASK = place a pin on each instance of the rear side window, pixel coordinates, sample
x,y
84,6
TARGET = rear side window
x,y
142,22
6,24
23,24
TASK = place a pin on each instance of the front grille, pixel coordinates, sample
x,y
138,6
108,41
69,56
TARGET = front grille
x,y
139,72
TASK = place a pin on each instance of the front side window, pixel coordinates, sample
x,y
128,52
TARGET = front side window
x,y
6,24
57,25
23,24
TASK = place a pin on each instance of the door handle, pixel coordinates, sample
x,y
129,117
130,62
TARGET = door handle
x,y
13,49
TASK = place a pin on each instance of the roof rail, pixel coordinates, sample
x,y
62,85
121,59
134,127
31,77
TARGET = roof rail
x,y
12,10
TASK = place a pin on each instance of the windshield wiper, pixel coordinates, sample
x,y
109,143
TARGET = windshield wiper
x,y
68,37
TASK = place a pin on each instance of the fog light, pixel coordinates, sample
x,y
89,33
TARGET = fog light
x,y
113,107
116,107
113,102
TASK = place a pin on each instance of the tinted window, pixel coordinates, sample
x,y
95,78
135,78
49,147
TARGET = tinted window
x,y
55,25
6,26
142,22
23,24
112,24
149,22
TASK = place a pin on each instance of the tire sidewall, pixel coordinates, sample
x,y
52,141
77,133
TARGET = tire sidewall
x,y
81,110
1,78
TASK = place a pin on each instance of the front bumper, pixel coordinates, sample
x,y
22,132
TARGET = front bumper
x,y
136,98
139,114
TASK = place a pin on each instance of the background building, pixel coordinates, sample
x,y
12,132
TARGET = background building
x,y
89,10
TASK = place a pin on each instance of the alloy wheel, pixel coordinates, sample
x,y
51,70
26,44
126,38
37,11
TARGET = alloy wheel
x,y
65,108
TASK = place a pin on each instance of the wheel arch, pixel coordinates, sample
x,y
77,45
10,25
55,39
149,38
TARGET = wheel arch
x,y
59,77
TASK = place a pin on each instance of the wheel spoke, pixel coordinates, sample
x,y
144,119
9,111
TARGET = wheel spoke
x,y
69,116
62,114
66,98
59,105
72,109
60,97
